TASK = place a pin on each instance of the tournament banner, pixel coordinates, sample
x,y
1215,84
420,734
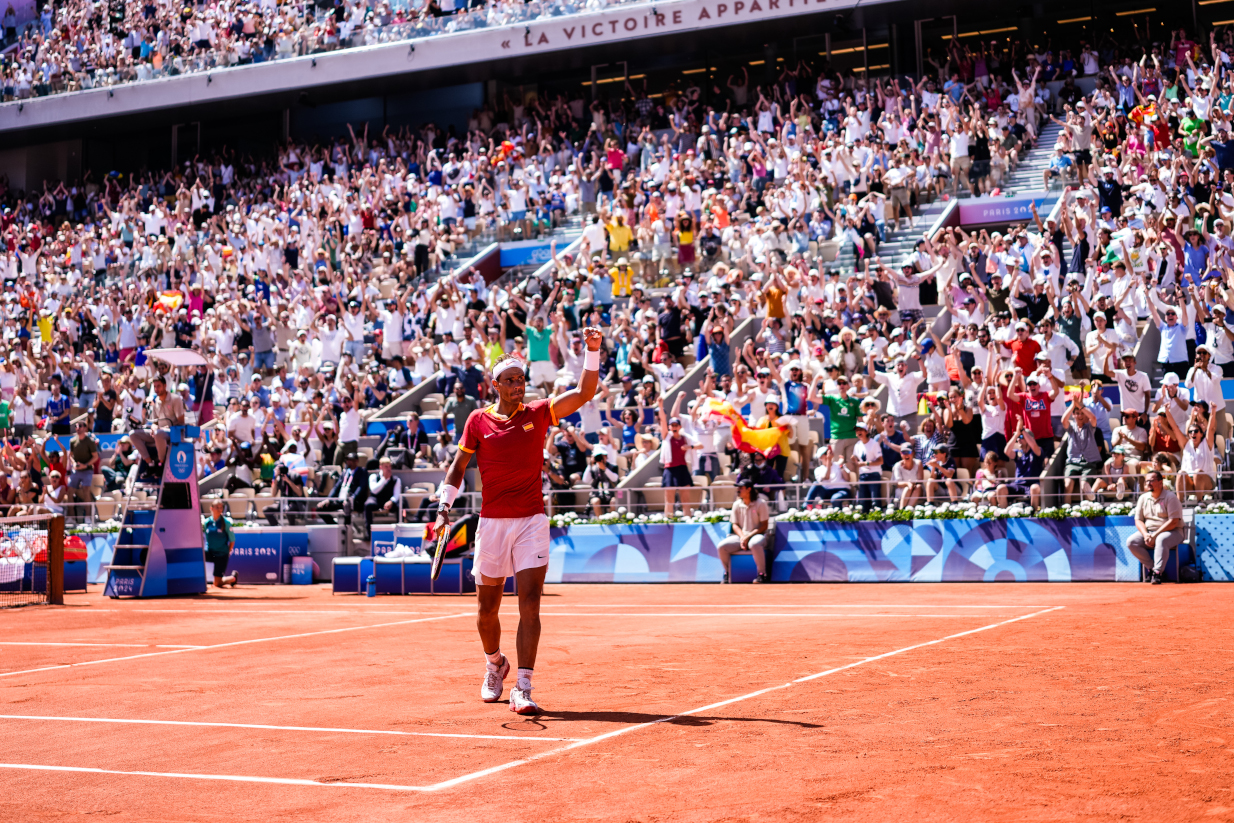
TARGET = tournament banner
x,y
100,546
259,555
954,551
627,553
1214,544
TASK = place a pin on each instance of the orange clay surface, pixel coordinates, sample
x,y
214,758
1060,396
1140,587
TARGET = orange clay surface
x,y
1095,702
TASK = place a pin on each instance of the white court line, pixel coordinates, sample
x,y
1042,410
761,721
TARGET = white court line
x,y
235,643
512,609
346,610
328,610
282,728
803,606
446,784
116,645
862,615
287,781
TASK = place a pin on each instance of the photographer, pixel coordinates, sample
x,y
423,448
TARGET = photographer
x,y
287,483
243,461
573,449
602,479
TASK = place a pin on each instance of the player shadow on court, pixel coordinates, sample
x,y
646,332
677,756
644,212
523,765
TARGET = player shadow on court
x,y
636,718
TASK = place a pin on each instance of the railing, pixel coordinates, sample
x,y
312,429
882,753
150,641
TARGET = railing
x,y
416,506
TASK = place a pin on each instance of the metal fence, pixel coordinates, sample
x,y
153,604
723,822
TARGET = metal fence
x,y
253,509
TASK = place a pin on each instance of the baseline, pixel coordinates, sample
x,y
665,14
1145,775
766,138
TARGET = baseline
x,y
325,729
235,643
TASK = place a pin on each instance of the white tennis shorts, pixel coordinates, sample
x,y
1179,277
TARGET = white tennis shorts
x,y
505,545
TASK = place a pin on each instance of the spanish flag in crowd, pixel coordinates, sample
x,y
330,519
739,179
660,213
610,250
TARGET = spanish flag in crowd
x,y
764,441
169,301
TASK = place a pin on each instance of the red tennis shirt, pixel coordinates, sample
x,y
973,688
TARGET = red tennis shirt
x,y
510,454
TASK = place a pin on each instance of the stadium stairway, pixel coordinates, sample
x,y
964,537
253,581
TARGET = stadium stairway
x,y
1027,174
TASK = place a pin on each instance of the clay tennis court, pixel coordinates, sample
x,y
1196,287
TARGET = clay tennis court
x,y
941,702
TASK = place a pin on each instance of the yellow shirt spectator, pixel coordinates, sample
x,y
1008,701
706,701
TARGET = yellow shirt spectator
x,y
619,236
623,280
45,323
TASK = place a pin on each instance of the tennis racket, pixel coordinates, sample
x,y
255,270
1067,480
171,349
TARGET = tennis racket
x,y
439,552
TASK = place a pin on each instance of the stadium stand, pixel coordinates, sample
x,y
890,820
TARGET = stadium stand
x,y
801,243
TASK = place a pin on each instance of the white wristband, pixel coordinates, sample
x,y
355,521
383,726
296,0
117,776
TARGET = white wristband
x,y
591,360
446,495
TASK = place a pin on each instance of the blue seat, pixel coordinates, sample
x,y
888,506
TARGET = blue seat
x,y
742,568
389,574
1181,556
346,574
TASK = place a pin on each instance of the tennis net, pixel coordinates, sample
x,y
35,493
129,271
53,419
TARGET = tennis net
x,y
31,560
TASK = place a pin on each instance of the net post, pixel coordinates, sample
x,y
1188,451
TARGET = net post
x,y
55,561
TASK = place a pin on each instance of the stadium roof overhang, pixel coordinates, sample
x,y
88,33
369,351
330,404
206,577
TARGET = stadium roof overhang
x,y
514,51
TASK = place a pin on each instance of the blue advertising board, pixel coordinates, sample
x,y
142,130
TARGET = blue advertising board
x,y
180,461
945,551
99,550
408,535
1214,544
677,553
259,556
981,210
530,252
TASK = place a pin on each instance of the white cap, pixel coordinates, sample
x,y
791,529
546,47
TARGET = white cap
x,y
1171,379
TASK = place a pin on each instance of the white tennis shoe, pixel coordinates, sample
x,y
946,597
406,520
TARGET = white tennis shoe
x,y
521,702
494,677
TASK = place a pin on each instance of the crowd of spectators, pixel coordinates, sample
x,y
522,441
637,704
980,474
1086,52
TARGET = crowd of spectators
x,y
312,282
86,44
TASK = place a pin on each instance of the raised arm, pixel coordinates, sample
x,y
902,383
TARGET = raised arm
x,y
573,400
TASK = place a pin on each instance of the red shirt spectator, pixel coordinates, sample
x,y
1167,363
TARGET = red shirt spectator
x,y
1025,348
1036,408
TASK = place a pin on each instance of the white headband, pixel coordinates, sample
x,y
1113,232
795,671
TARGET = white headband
x,y
506,365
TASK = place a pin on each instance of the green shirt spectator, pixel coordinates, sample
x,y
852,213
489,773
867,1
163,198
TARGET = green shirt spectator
x,y
537,342
844,411
1190,127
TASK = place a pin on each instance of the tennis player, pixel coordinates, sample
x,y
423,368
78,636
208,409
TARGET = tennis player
x,y
507,440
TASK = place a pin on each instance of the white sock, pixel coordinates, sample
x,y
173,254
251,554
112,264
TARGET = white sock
x,y
524,679
493,659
